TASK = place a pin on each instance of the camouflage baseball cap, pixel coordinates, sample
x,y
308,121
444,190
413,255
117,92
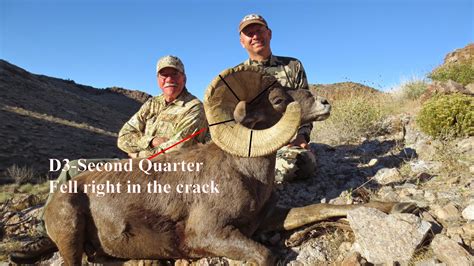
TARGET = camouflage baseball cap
x,y
169,61
252,19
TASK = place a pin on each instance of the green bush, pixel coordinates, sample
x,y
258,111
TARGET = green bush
x,y
448,115
462,73
414,89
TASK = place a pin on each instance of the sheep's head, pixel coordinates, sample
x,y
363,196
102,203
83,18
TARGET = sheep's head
x,y
251,115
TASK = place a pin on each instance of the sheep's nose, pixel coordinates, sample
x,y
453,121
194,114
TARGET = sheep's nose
x,y
324,101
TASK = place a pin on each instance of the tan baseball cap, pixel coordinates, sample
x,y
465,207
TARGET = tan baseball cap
x,y
252,19
170,61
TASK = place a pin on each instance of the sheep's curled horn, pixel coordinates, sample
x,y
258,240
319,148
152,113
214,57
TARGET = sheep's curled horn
x,y
247,82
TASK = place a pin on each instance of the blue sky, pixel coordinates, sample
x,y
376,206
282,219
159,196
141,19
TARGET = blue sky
x,y
106,43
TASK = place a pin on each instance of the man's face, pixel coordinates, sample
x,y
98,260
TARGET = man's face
x,y
171,82
255,38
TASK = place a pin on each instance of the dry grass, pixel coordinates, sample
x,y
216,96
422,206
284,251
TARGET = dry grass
x,y
353,117
7,192
412,89
362,113
52,119
6,248
421,254
449,157
20,174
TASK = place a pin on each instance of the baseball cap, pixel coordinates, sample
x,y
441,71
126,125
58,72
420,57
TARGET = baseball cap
x,y
170,61
252,19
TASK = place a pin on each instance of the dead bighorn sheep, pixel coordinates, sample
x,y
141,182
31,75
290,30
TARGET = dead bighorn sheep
x,y
260,117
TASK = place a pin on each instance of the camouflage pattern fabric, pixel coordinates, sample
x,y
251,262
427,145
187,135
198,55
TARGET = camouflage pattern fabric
x,y
170,61
294,163
290,73
175,121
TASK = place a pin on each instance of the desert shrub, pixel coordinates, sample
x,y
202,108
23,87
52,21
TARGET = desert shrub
x,y
462,73
448,115
413,89
352,118
21,175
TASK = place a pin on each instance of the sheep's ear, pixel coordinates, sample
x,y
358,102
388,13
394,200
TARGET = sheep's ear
x,y
240,111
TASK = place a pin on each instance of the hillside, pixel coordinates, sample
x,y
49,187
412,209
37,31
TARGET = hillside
x,y
342,90
372,148
45,117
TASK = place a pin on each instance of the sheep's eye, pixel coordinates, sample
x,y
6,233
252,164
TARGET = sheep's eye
x,y
278,101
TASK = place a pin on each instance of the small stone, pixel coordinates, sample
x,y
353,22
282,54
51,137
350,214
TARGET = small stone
x,y
352,259
449,252
386,176
430,262
423,177
468,212
390,196
311,253
468,231
436,228
448,213
470,88
465,146
373,162
410,194
420,166
455,233
345,247
338,201
429,196
182,262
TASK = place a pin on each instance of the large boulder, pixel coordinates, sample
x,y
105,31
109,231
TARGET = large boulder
x,y
445,87
382,238
460,55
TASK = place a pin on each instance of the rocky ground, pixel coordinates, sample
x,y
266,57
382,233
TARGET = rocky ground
x,y
403,165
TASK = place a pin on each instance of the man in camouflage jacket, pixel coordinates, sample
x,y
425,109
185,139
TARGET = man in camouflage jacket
x,y
166,119
294,161
161,122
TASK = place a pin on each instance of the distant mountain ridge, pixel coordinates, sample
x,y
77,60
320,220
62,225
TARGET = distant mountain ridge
x,y
341,90
45,117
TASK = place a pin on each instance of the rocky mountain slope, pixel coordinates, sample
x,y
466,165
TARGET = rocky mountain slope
x,y
45,117
341,90
398,164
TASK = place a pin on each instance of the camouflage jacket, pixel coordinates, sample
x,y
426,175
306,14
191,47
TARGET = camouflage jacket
x,y
175,121
290,73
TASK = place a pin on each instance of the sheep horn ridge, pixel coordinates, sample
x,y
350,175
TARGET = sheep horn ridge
x,y
245,83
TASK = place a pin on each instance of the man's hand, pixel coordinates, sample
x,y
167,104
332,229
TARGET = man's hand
x,y
299,141
157,141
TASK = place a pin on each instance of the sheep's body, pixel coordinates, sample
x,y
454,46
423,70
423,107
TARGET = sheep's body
x,y
168,225
186,225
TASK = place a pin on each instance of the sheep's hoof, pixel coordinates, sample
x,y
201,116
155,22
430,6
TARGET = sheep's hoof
x,y
39,249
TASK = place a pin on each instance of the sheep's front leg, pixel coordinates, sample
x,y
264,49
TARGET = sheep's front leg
x,y
208,233
227,242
